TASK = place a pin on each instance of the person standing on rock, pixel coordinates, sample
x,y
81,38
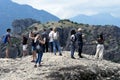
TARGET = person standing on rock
x,y
32,36
24,43
100,47
51,40
45,37
56,44
79,37
8,42
72,43
39,49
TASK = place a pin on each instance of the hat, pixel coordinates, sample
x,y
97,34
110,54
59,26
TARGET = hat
x,y
79,29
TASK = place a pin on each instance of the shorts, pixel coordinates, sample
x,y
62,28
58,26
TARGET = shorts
x,y
33,48
24,47
7,45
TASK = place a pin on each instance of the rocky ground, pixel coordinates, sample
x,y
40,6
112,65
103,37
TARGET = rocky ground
x,y
55,67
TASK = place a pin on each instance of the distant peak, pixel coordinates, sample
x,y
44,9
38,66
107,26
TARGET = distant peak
x,y
103,14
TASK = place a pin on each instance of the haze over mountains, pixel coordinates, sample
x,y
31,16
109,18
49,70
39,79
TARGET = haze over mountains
x,y
98,19
10,11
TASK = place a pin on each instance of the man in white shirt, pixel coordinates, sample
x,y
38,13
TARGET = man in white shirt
x,y
56,44
51,40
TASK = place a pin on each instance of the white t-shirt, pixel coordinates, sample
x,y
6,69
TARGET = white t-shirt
x,y
72,37
55,35
51,36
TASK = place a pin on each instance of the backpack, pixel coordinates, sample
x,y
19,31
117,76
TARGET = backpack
x,y
73,38
4,39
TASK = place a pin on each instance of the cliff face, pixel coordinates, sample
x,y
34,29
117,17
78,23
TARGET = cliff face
x,y
56,67
111,35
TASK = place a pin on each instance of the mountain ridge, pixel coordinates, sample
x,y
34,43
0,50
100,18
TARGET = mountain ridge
x,y
11,11
97,19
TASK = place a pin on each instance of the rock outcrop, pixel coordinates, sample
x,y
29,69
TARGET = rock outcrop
x,y
56,67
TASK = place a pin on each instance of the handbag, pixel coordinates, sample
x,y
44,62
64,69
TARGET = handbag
x,y
38,47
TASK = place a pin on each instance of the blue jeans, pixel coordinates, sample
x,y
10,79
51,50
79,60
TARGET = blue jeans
x,y
39,58
72,49
56,45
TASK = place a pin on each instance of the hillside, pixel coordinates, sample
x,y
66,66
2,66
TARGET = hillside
x,y
111,34
59,68
10,11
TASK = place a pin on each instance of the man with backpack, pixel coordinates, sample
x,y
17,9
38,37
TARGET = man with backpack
x,y
7,42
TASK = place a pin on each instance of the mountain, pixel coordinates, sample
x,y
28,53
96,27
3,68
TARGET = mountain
x,y
10,11
98,19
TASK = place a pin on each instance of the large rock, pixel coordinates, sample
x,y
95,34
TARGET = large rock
x,y
13,52
55,67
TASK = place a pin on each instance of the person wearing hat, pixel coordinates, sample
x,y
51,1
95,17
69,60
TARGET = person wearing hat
x,y
79,37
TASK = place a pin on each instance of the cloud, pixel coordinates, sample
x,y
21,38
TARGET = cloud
x,y
70,8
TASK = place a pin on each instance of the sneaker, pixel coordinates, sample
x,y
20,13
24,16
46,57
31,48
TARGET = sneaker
x,y
35,66
39,65
33,61
60,54
80,56
73,57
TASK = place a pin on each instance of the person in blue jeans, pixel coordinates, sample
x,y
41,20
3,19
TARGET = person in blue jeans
x,y
39,49
72,43
56,44
51,40
32,36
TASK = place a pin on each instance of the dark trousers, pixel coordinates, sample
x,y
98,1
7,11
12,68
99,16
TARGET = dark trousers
x,y
80,46
45,47
51,46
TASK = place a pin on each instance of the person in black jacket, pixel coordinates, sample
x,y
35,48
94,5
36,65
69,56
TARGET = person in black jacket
x,y
79,37
45,37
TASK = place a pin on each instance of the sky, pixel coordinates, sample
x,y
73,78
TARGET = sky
x,y
70,8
